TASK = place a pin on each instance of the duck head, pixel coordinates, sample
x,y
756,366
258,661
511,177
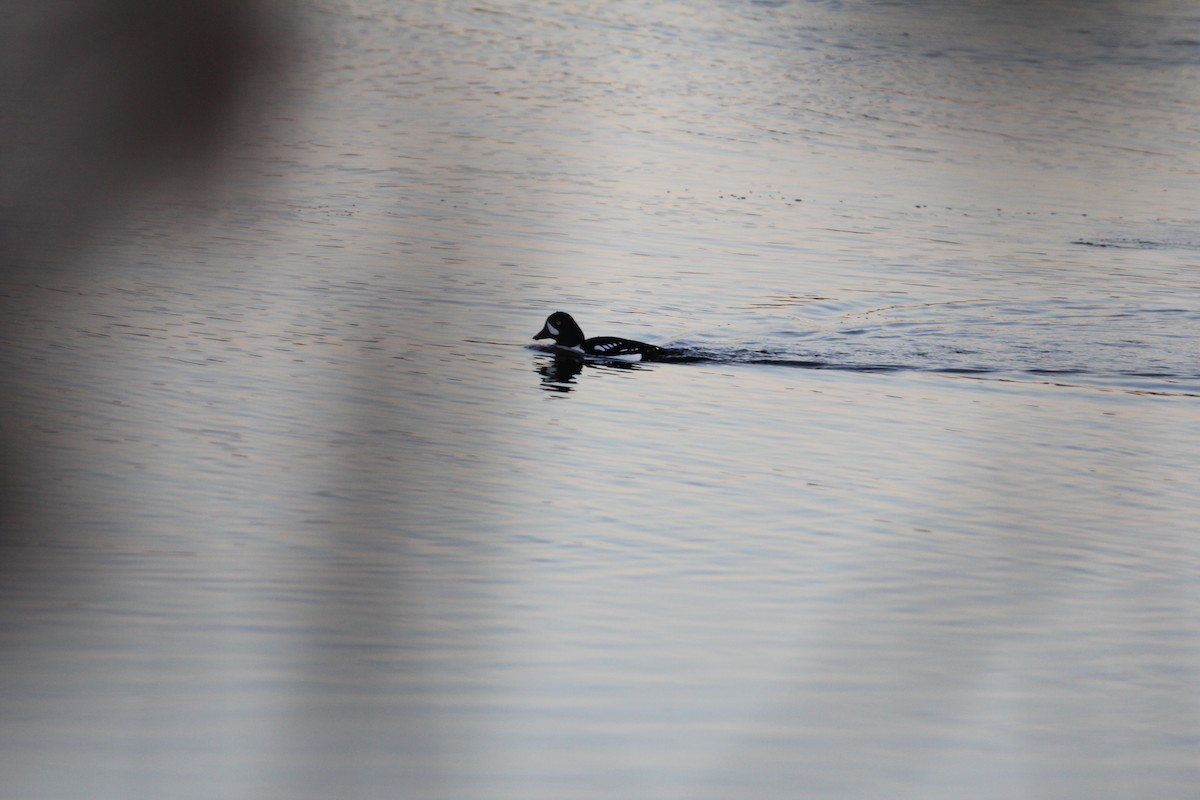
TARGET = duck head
x,y
562,328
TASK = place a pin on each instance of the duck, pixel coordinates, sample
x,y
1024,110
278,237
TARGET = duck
x,y
568,336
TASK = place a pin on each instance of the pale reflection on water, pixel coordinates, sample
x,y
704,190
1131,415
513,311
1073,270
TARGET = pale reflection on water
x,y
303,516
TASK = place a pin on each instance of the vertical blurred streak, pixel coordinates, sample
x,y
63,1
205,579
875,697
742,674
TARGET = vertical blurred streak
x,y
358,730
102,101
105,103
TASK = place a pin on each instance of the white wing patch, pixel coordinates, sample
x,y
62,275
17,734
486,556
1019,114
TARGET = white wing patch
x,y
613,350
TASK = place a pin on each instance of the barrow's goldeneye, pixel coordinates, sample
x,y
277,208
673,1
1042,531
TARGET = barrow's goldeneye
x,y
566,333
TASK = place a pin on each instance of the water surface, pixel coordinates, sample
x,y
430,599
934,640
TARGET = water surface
x,y
306,516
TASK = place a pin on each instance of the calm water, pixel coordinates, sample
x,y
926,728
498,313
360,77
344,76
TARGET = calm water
x,y
304,515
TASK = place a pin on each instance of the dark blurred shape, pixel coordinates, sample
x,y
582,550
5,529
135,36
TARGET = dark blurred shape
x,y
101,99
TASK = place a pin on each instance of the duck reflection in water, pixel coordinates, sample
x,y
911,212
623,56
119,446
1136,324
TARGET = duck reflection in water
x,y
558,370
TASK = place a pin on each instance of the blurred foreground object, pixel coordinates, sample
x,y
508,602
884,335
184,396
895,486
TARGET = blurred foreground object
x,y
102,103
102,99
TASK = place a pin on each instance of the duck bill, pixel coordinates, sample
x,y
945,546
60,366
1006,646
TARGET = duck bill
x,y
544,333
